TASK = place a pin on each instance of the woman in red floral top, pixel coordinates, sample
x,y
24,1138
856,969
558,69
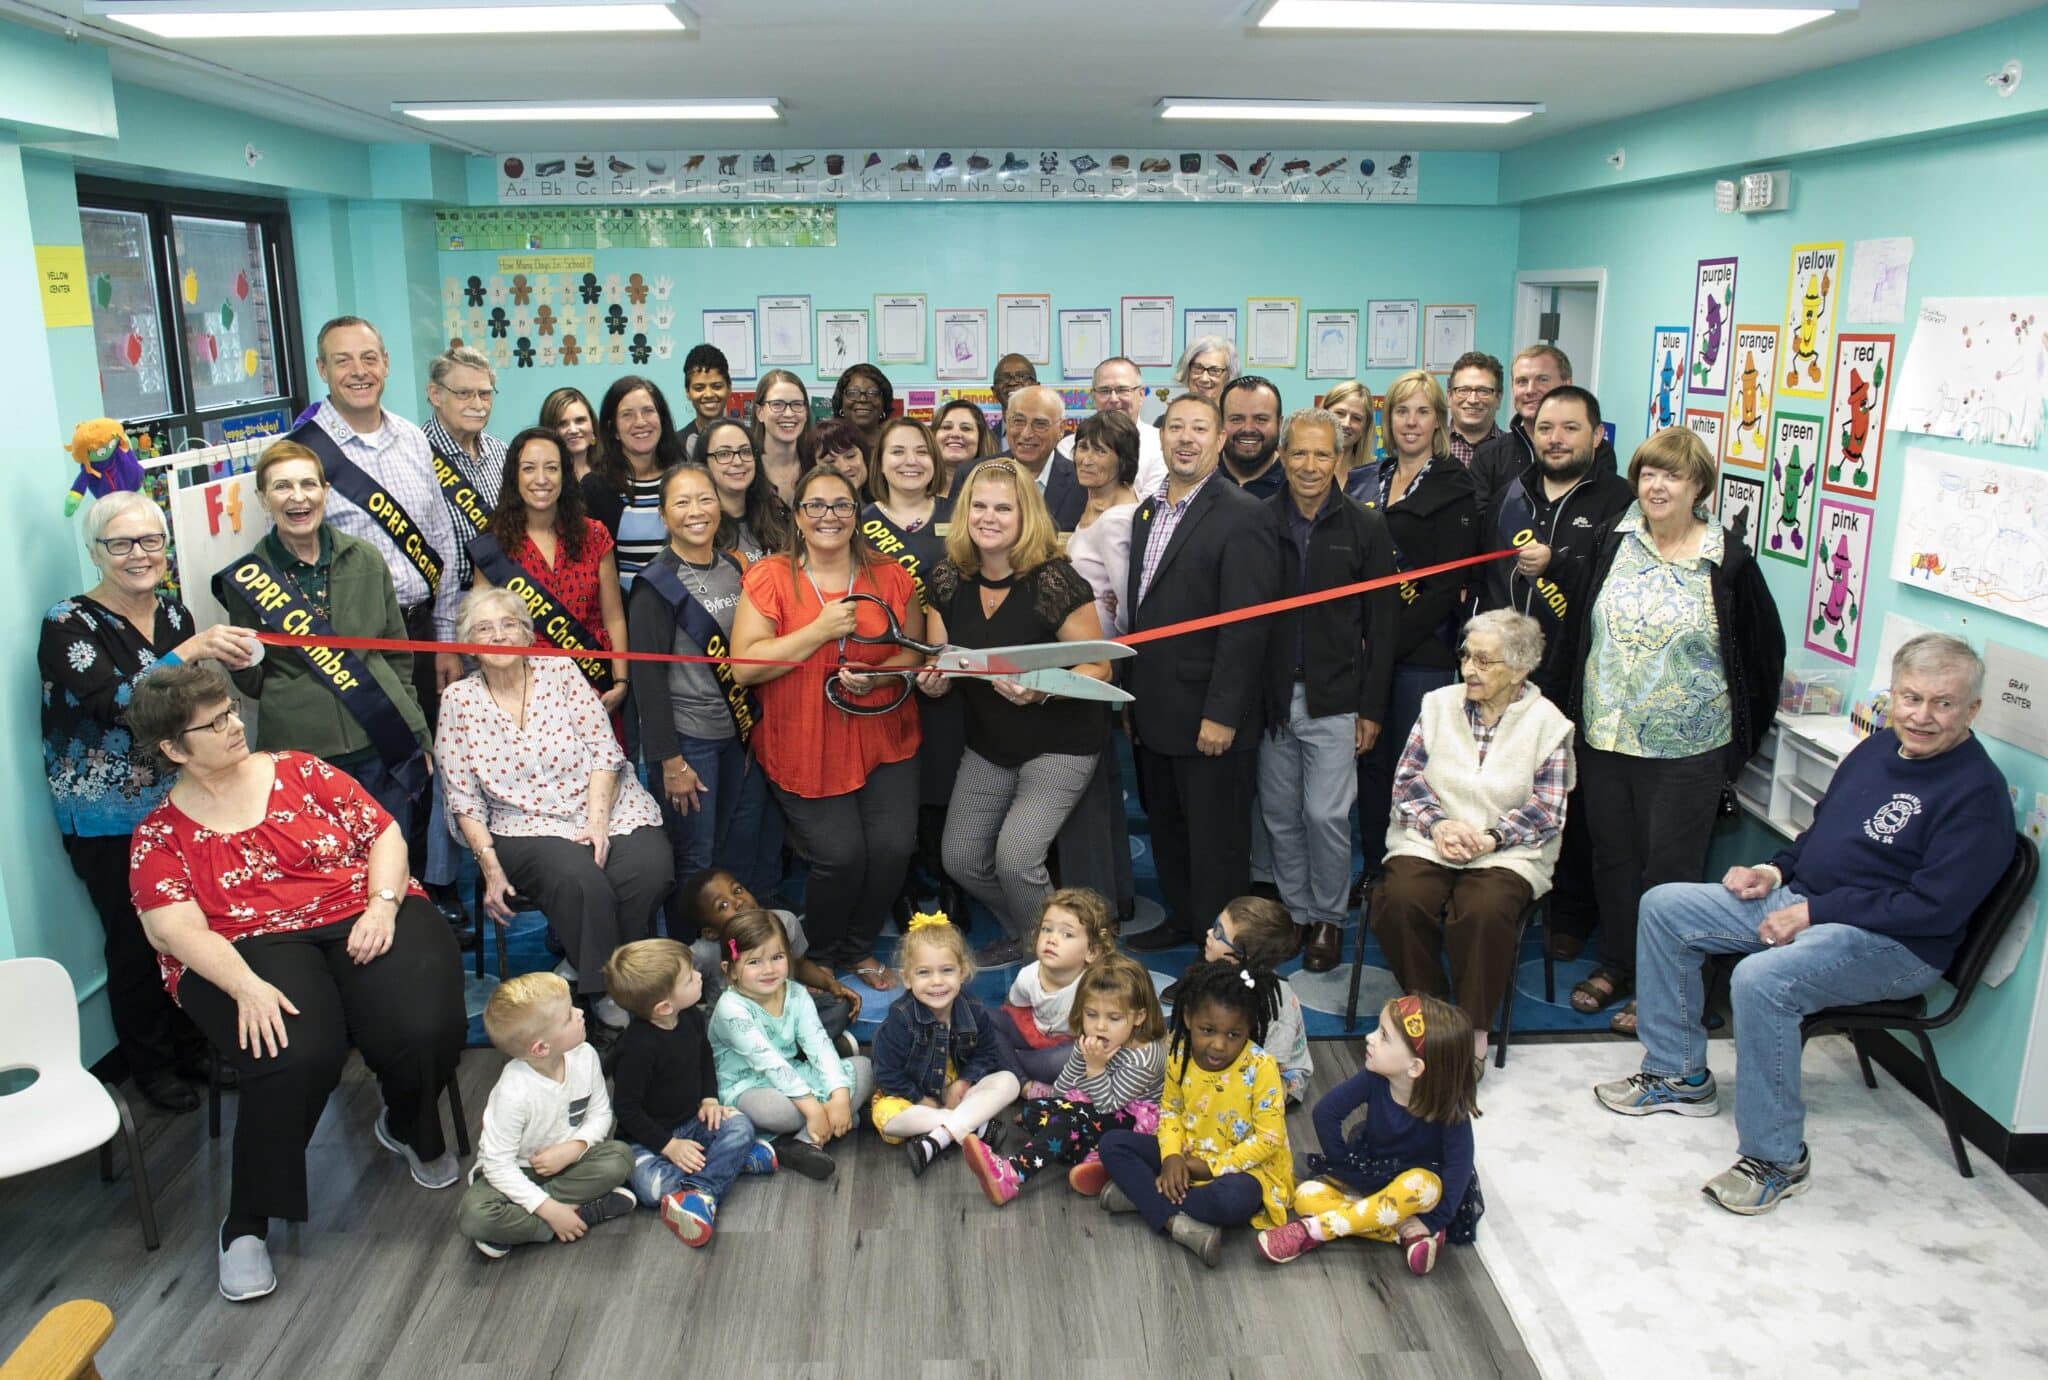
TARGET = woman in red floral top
x,y
275,889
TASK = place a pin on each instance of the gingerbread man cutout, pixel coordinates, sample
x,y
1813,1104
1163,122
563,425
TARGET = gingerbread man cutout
x,y
571,353
545,320
636,290
522,291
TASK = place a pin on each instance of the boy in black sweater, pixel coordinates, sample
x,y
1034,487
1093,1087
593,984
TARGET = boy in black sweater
x,y
687,1146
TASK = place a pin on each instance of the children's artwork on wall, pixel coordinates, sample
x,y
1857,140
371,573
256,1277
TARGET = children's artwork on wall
x,y
1392,329
1705,423
842,341
1856,417
1841,569
1275,341
899,328
1713,317
1742,502
1877,280
1669,350
1975,530
733,333
1333,344
1197,322
1811,293
1788,497
1024,325
1751,389
1450,330
1084,341
1977,370
963,343
785,330
1148,331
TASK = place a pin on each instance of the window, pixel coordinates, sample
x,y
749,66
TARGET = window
x,y
194,310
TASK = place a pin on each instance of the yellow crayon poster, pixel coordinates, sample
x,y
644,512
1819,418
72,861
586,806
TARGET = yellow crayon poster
x,y
1812,288
60,269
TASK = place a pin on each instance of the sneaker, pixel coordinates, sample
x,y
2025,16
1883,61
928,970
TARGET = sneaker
x,y
1088,1179
491,1250
689,1215
616,1203
999,1178
1034,1090
1640,1094
806,1159
1114,1199
1283,1243
760,1159
443,1172
922,1151
846,1044
1205,1241
1753,1186
1421,1253
245,1271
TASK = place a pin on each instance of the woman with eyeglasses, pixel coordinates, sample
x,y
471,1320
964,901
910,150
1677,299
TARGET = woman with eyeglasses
x,y
847,782
344,586
756,520
95,649
962,431
865,397
1205,366
569,414
782,433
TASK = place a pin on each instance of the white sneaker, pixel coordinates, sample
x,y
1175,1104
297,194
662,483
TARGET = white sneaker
x,y
245,1271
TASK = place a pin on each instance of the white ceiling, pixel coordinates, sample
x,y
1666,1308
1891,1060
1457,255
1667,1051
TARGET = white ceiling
x,y
1085,73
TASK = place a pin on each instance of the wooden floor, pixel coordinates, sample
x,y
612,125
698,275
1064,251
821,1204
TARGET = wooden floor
x,y
873,1274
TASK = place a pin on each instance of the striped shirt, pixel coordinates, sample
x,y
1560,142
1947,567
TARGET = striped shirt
x,y
484,474
641,532
1135,1073
1530,823
1164,517
397,457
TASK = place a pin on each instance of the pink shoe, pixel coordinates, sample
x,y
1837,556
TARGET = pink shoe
x,y
998,1179
1283,1243
1422,1253
1034,1090
1087,1177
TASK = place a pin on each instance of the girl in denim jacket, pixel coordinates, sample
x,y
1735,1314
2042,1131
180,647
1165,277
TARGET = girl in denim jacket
x,y
942,1070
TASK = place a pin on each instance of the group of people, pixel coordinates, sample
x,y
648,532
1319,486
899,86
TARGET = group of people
x,y
1563,720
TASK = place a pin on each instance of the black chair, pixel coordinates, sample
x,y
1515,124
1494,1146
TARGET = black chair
x,y
1987,926
486,926
455,1111
1504,1023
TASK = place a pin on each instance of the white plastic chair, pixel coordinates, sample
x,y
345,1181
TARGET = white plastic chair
x,y
65,1111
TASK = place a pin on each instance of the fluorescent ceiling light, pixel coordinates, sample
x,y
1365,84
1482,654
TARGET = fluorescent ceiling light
x,y
1352,112
193,19
1451,17
729,108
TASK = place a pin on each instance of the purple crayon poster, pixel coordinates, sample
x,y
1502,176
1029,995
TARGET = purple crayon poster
x,y
1713,326
1841,561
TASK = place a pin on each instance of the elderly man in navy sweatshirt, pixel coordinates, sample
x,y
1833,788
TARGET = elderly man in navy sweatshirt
x,y
1869,904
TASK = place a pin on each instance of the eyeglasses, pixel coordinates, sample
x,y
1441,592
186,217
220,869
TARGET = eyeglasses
x,y
861,395
1111,390
1037,424
470,395
730,455
285,488
121,546
787,405
817,507
1207,371
217,724
1469,390
1216,933
504,627
1468,657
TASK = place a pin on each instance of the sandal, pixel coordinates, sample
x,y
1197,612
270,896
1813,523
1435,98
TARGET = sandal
x,y
875,974
1600,989
1623,1022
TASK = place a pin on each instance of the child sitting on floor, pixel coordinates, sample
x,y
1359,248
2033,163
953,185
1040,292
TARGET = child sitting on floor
x,y
687,1146
545,1168
774,1059
942,1069
1405,1175
1221,1155
1111,1083
1262,934
1073,932
711,897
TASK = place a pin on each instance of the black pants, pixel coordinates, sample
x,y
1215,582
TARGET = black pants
x,y
1574,904
1651,821
593,909
1200,810
152,1032
403,1010
419,627
858,845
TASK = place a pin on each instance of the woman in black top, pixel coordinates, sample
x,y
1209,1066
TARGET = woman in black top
x,y
1428,502
1029,755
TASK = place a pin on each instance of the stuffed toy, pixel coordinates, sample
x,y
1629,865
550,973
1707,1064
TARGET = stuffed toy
x,y
106,462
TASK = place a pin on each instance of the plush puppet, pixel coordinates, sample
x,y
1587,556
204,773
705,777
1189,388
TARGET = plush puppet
x,y
106,462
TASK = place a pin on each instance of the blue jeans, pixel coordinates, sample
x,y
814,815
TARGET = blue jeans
x,y
1229,1200
1773,989
1308,779
655,1176
734,826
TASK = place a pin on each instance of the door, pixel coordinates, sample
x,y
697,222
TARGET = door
x,y
1562,307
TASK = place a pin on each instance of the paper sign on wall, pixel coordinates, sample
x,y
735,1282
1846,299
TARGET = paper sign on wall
x,y
1813,288
1742,500
60,268
1750,393
1705,424
1670,347
1713,319
2015,698
1841,571
1788,496
1856,418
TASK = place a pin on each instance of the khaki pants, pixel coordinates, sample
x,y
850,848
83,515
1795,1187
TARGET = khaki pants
x,y
488,1215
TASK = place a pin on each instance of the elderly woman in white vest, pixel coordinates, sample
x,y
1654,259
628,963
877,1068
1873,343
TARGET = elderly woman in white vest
x,y
1478,813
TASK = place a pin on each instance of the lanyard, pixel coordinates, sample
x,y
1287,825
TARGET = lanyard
x,y
851,580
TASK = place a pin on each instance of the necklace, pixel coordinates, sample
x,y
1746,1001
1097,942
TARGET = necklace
x,y
695,582
993,592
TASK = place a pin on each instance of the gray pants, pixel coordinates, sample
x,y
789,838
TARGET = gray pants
x,y
488,1215
592,910
1001,825
776,1115
1308,779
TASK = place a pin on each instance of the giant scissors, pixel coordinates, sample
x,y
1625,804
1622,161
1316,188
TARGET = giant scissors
x,y
1040,666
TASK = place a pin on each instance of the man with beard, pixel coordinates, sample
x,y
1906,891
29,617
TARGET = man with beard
x,y
1555,515
1251,436
1033,419
1498,462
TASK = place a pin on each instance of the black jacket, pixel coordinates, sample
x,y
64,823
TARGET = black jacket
x,y
1347,644
1572,527
1224,554
1065,499
1502,460
1436,522
1752,645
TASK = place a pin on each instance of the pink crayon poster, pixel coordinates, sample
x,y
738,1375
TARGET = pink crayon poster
x,y
1713,326
1856,417
1841,569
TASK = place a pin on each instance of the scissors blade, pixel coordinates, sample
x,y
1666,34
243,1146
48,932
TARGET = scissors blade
x,y
1054,680
1030,656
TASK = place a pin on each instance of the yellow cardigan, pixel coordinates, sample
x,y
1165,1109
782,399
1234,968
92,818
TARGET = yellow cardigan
x,y
1235,1122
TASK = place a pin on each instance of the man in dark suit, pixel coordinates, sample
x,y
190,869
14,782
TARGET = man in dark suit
x,y
1198,548
1033,420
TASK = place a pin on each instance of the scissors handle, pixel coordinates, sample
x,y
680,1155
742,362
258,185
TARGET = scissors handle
x,y
894,635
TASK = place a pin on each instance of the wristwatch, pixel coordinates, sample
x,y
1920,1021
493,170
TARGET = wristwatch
x,y
1499,839
384,894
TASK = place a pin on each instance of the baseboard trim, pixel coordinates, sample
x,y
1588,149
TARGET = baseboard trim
x,y
2012,1151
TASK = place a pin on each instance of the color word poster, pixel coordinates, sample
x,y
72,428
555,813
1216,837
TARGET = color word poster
x,y
1841,569
1788,501
1668,353
1814,285
1750,394
1856,418
1713,320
